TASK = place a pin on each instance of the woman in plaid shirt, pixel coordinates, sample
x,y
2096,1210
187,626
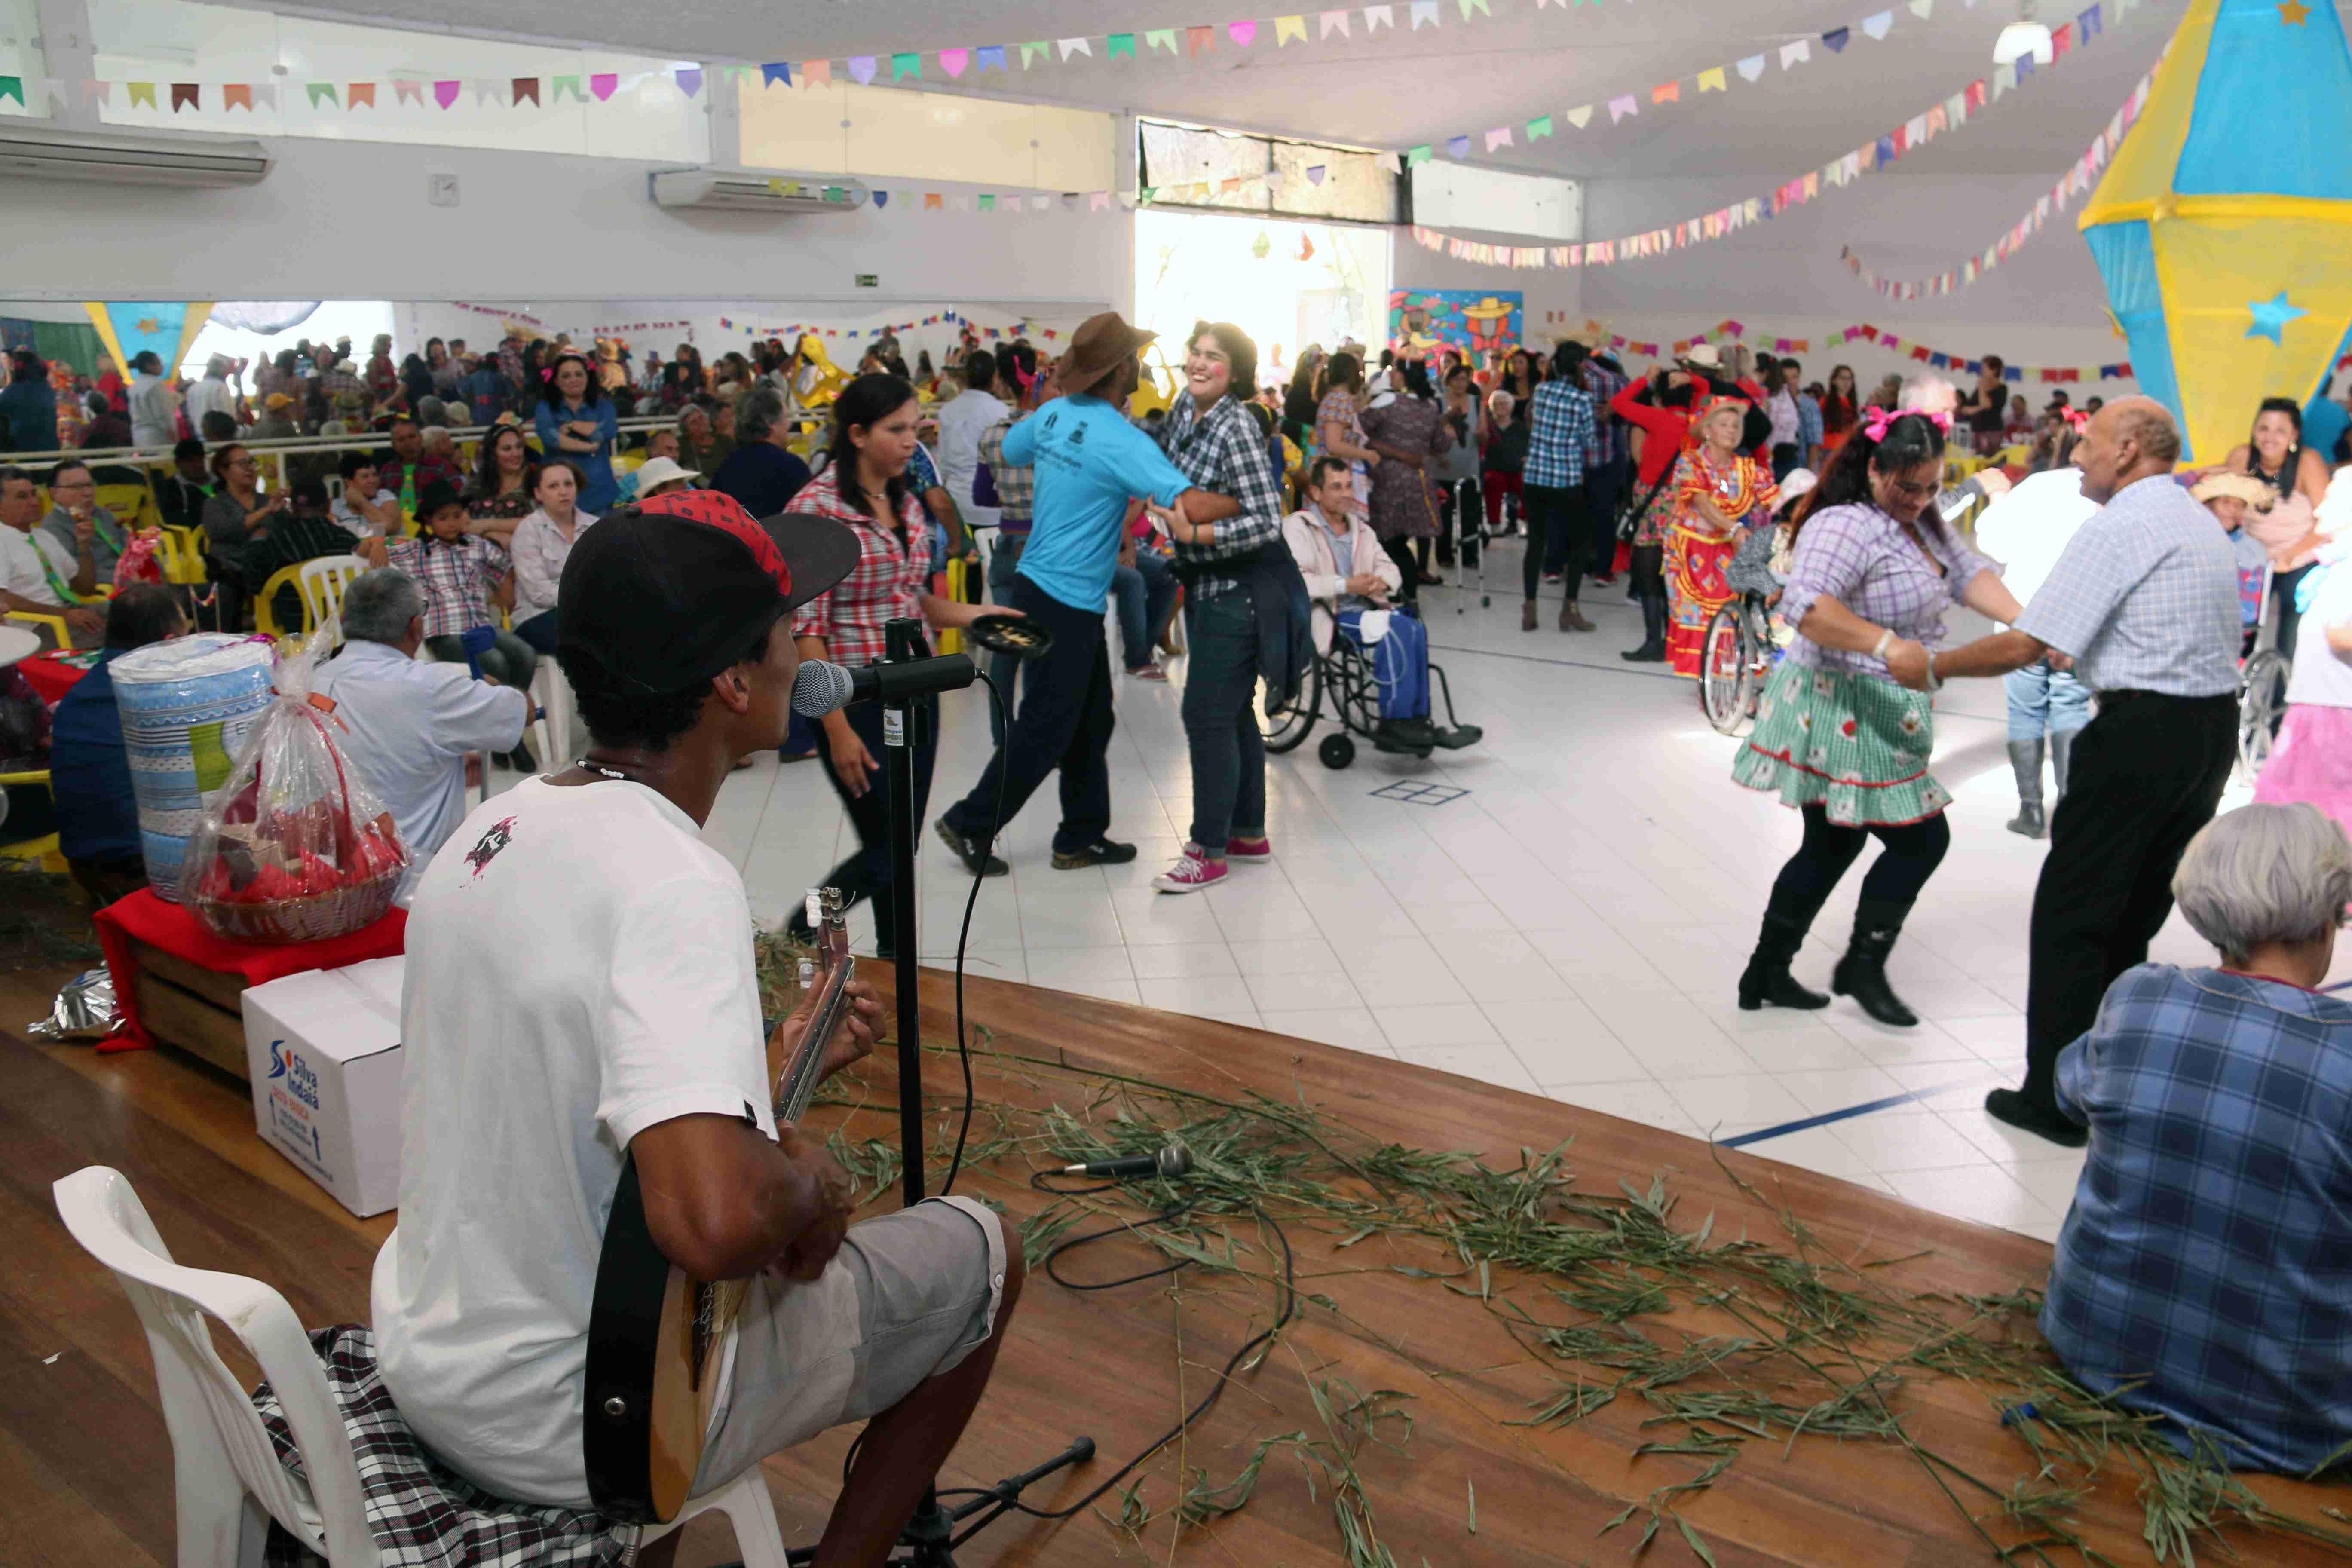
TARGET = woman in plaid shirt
x,y
864,485
1212,439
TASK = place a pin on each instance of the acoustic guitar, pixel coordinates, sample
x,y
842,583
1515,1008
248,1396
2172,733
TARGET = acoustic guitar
x,y
656,1334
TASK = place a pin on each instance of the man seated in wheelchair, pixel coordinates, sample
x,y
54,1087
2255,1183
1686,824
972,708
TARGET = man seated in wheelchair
x,y
1352,580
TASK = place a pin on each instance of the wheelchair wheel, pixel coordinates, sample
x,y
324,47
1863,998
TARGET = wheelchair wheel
x,y
1336,752
1725,678
2262,703
1286,730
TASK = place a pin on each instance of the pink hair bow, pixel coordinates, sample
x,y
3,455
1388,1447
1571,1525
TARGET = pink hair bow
x,y
1875,420
2075,417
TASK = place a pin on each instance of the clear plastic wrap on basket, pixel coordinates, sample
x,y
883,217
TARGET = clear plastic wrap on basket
x,y
295,846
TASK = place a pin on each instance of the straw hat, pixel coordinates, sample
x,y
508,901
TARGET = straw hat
x,y
656,472
2244,487
1702,356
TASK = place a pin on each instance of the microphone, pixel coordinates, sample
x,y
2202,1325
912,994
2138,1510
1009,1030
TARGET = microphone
x,y
1173,1161
821,686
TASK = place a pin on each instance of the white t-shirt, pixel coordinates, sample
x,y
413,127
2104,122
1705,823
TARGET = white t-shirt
x,y
21,555
579,970
2029,527
2323,677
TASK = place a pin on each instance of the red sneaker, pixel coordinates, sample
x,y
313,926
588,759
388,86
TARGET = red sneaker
x,y
1258,849
1191,874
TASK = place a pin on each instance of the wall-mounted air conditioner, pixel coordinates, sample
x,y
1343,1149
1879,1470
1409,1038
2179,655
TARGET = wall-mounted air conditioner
x,y
28,149
742,189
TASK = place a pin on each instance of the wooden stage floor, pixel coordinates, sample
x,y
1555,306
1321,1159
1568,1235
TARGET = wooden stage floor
x,y
85,1464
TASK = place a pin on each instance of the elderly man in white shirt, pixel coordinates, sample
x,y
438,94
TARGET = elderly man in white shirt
x,y
962,422
407,727
38,574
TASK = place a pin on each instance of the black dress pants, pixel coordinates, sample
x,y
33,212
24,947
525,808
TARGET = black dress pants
x,y
1063,722
2146,775
868,872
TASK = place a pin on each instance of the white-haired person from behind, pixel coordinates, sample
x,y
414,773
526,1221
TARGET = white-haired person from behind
x,y
2200,1275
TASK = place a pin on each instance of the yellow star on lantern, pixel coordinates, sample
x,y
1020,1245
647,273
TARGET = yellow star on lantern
x,y
148,326
2292,13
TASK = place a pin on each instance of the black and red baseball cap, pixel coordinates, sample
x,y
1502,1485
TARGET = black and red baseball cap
x,y
665,593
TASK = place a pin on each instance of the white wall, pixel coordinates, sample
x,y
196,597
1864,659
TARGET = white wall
x,y
349,220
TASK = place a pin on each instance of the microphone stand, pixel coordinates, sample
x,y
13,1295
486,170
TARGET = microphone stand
x,y
930,1536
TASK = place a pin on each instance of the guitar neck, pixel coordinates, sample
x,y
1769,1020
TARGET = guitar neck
x,y
834,968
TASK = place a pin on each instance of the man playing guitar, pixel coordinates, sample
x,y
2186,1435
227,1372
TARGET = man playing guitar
x,y
580,987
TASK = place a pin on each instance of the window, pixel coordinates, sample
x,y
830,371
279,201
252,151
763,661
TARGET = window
x,y
1456,196
840,127
160,42
22,58
1318,179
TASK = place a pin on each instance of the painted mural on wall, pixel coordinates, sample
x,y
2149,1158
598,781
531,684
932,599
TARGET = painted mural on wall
x,y
1424,321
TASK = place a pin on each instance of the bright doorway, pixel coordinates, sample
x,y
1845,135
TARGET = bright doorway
x,y
1286,284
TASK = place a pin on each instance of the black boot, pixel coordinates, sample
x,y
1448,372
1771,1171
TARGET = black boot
x,y
1653,633
1861,973
2025,761
2061,753
1765,982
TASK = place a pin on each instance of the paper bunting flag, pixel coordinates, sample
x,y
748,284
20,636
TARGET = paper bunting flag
x,y
445,93
233,95
1580,116
1197,39
1040,204
1244,34
488,91
903,64
934,202
775,72
1097,201
987,202
1458,147
1470,6
2023,67
953,61
1667,92
1075,47
689,83
1619,107
140,92
1424,13
322,91
1539,128
1711,80
1122,47
989,57
1876,27
1288,29
1229,186
1922,9
1751,68
185,95
1315,172
2062,38
557,86
862,67
411,91
1836,39
1391,163
1500,136
1376,14
1161,38
1795,54
881,198
2087,24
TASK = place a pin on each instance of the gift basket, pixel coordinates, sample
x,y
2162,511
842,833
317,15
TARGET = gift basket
x,y
295,846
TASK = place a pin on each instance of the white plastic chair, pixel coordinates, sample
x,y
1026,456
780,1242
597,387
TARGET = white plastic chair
x,y
323,581
552,695
225,1474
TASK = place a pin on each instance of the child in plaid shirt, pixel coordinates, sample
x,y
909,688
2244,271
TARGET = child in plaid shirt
x,y
466,580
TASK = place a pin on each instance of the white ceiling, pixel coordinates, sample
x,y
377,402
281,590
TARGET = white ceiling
x,y
1400,88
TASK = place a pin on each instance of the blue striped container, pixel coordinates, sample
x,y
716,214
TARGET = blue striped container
x,y
187,707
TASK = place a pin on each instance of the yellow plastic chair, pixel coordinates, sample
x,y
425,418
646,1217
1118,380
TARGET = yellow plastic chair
x,y
61,638
265,603
182,557
42,852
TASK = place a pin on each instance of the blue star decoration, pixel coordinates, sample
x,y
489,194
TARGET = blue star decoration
x,y
2271,317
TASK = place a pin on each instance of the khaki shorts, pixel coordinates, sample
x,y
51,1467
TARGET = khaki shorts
x,y
908,1296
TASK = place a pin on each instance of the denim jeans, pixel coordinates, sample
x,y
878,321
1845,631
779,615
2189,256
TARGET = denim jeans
x,y
1144,594
2041,699
1556,522
1064,721
1400,662
508,658
1003,556
539,631
1220,724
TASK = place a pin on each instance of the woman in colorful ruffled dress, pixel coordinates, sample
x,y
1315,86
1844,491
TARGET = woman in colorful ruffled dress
x,y
1873,569
1718,492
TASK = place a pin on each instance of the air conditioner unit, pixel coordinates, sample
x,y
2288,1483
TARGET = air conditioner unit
x,y
28,149
742,189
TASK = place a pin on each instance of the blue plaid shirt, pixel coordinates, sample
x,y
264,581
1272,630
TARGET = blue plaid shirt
x,y
1616,435
1563,437
2209,1253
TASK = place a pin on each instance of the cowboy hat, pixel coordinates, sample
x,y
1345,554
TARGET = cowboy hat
x,y
655,472
1702,355
1100,345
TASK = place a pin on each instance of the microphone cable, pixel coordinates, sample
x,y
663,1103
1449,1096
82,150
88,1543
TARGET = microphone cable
x,y
1004,710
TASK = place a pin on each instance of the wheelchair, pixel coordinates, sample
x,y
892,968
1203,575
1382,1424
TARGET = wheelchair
x,y
2263,673
1344,676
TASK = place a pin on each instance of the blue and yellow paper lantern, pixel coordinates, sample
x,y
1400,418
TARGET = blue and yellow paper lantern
x,y
2223,228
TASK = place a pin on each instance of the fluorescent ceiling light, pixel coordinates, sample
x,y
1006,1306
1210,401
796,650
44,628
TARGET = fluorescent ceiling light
x,y
2020,39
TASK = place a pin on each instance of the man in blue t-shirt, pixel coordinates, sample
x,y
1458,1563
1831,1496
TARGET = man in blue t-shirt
x,y
1090,463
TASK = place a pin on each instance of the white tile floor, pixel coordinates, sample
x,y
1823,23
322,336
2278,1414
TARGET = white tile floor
x,y
1572,926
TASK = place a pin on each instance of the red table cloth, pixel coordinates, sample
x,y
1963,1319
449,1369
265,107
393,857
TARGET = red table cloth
x,y
176,929
49,676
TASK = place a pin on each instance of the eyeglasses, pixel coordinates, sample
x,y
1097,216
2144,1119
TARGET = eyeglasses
x,y
1910,491
73,485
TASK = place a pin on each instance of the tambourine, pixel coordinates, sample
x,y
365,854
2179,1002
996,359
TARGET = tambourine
x,y
1015,635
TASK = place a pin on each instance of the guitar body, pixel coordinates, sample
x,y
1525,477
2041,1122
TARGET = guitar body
x,y
657,1336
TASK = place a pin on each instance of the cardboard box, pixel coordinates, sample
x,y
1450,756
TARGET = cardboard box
x,y
323,1050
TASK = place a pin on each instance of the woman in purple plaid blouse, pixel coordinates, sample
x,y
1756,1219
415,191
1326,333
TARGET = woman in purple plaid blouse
x,y
1873,569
